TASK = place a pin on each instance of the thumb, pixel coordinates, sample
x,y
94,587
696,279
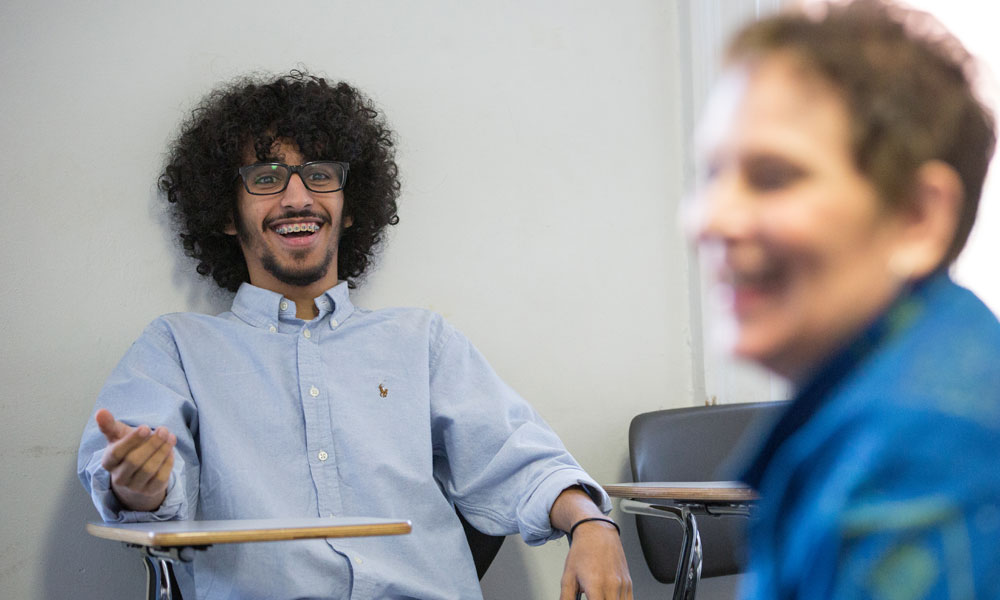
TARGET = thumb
x,y
112,429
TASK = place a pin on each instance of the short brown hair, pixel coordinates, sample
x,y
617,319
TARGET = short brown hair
x,y
907,85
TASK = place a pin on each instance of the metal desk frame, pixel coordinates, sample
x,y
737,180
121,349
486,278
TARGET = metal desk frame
x,y
683,502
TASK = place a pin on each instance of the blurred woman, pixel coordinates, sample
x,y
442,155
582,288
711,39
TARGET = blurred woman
x,y
844,156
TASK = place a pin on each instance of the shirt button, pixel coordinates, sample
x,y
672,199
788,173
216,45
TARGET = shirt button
x,y
307,333
283,305
314,391
322,455
272,329
333,323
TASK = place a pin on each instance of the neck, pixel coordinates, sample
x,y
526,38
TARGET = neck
x,y
302,296
305,308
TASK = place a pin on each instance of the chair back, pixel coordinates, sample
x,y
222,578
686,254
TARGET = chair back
x,y
695,444
484,547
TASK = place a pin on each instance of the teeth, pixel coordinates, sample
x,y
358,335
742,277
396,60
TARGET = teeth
x,y
296,227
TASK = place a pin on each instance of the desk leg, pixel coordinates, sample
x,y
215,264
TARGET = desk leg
x,y
158,586
689,563
152,578
158,563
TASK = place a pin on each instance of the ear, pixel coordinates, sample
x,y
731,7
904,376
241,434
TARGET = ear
x,y
930,218
230,228
346,221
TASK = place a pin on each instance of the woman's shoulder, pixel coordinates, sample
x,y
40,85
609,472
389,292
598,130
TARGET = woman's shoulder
x,y
945,361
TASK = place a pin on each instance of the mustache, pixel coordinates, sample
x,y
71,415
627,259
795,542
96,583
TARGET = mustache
x,y
297,214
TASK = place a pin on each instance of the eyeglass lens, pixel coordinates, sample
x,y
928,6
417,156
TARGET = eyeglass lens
x,y
271,178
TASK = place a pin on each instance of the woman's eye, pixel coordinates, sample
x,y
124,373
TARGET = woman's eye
x,y
771,174
318,176
710,171
265,180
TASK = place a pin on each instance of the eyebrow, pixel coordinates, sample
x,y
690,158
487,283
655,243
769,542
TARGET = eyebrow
x,y
768,158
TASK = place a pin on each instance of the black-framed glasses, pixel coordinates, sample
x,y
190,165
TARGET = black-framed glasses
x,y
323,176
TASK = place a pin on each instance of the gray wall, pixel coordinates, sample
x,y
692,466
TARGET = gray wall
x,y
542,152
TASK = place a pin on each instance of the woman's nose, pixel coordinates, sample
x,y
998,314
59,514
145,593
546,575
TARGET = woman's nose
x,y
723,210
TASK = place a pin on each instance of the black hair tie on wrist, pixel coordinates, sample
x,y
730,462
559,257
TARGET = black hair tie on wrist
x,y
569,534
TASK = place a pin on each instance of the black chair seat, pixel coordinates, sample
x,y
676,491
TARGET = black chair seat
x,y
484,547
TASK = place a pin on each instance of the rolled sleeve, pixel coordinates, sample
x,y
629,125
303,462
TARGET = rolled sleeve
x,y
111,510
497,459
534,514
147,387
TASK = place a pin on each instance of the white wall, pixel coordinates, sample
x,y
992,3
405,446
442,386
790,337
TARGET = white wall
x,y
541,148
973,23
717,377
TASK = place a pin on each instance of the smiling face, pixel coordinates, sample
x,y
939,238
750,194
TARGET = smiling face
x,y
290,239
797,237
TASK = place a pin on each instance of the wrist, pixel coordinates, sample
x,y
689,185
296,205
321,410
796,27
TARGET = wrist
x,y
596,521
570,506
139,502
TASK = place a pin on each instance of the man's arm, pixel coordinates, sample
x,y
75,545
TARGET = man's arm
x,y
121,461
503,465
139,461
596,562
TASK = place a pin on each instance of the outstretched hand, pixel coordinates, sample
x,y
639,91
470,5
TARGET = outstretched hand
x,y
139,461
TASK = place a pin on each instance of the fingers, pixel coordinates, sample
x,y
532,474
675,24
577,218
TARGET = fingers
x,y
162,476
151,475
118,449
141,476
137,460
596,566
112,429
569,589
617,589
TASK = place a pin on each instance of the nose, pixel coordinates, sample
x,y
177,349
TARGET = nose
x,y
722,211
296,196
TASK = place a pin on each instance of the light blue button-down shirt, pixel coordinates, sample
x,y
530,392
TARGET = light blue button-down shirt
x,y
389,413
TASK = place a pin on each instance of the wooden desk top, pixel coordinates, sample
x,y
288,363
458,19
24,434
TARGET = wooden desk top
x,y
205,533
693,491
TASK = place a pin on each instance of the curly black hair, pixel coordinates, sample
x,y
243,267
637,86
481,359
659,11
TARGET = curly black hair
x,y
325,120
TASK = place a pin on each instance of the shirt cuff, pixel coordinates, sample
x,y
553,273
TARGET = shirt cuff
x,y
533,517
112,511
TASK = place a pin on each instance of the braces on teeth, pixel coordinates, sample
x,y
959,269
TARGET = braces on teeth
x,y
297,227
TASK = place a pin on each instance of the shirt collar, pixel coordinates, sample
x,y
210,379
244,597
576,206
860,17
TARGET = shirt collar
x,y
262,308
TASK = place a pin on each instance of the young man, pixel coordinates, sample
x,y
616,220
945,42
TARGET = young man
x,y
297,403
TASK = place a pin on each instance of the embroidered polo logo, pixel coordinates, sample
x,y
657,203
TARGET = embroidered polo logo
x,y
382,390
